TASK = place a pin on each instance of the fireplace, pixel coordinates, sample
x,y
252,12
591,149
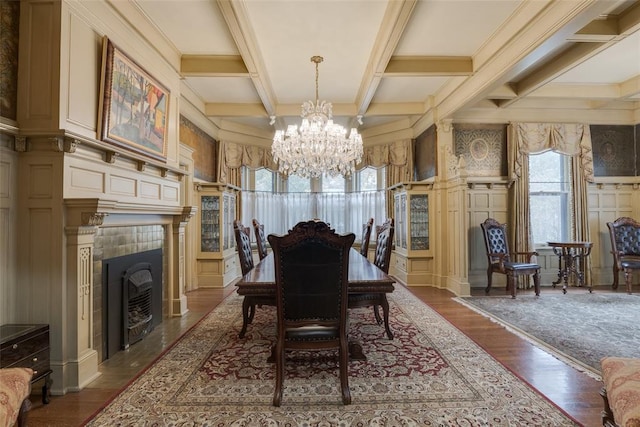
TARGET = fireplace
x,y
137,296
132,292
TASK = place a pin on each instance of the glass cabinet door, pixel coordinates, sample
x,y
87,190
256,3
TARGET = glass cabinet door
x,y
210,224
419,222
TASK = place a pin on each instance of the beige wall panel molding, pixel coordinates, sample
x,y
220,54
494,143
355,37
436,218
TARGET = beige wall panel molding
x,y
9,306
79,86
39,65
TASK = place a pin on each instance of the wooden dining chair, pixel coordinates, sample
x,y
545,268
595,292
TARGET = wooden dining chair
x,y
243,245
261,240
245,256
501,260
625,248
366,236
311,266
382,260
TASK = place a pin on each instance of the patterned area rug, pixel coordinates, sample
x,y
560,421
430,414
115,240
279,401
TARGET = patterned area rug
x,y
579,328
430,374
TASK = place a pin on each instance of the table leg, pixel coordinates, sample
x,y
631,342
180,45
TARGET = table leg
x,y
559,268
46,389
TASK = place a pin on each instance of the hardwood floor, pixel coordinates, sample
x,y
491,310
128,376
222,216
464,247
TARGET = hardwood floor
x,y
574,392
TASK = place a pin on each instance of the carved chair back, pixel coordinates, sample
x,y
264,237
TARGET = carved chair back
x,y
243,244
261,240
384,245
366,237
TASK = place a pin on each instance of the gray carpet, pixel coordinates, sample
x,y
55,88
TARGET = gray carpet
x,y
580,327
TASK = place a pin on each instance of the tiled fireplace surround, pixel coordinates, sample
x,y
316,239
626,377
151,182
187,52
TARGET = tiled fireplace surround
x,y
113,242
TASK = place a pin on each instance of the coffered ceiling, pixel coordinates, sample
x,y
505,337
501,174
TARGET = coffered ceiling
x,y
406,63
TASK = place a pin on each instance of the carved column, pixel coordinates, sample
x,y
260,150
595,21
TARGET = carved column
x,y
177,297
452,239
82,360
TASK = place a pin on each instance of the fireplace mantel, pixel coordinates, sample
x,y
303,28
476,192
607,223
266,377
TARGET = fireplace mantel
x,y
83,217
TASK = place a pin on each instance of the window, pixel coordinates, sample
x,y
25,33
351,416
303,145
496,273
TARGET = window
x,y
344,203
550,197
333,184
296,184
264,180
371,179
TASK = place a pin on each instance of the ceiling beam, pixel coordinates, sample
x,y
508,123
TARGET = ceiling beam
x,y
416,66
598,30
235,15
559,64
599,34
213,66
395,20
630,88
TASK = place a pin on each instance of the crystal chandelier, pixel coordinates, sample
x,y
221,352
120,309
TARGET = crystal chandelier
x,y
319,146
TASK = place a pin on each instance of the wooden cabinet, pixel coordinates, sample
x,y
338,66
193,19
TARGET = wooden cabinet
x,y
217,264
413,257
26,345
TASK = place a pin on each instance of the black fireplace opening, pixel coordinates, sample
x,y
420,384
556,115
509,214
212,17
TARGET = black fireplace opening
x,y
132,290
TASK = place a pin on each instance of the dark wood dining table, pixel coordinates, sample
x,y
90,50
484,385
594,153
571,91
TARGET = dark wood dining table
x,y
258,286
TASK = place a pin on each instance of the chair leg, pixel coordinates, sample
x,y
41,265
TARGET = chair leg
x,y
344,373
248,310
615,276
536,282
385,313
376,313
628,277
489,278
277,393
607,415
512,284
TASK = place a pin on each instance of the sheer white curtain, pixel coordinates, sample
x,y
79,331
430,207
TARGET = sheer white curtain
x,y
346,212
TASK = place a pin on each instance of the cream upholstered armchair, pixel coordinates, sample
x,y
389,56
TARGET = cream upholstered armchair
x,y
15,388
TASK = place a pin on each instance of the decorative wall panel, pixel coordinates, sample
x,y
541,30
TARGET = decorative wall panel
x,y
614,150
483,148
9,22
425,154
205,149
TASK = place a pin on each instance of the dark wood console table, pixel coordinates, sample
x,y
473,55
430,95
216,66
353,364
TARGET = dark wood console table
x,y
27,346
572,261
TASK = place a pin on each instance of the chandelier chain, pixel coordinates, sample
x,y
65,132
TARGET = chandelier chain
x,y
317,60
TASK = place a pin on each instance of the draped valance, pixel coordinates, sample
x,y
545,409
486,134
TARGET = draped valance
x,y
571,139
397,154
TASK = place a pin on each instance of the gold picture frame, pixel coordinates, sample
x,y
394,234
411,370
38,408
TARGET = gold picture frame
x,y
133,105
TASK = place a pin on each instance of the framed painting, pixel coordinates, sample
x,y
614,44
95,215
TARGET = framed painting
x,y
133,105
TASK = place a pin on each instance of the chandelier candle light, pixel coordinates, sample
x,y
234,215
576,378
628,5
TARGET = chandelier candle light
x,y
319,146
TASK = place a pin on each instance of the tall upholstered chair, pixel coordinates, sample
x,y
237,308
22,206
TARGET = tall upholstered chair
x,y
243,245
366,237
261,240
501,260
382,259
625,247
311,266
245,256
